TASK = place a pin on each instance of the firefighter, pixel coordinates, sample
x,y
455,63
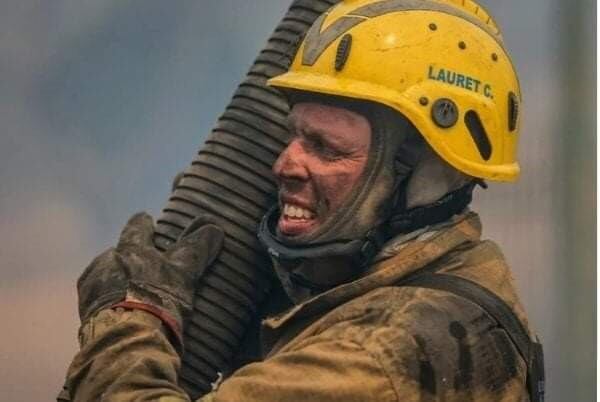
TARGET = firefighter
x,y
400,109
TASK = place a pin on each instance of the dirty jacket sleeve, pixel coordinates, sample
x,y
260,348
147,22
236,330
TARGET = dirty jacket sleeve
x,y
126,356
319,370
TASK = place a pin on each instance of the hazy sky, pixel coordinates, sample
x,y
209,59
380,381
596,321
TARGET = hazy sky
x,y
103,102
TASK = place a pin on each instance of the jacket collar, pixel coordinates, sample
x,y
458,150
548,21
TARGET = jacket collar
x,y
400,257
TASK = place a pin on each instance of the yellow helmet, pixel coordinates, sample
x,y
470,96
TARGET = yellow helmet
x,y
440,63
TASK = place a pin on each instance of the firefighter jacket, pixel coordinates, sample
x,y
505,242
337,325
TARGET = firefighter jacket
x,y
367,340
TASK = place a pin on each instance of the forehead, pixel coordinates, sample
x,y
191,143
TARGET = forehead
x,y
320,115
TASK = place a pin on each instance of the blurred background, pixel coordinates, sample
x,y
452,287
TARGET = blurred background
x,y
103,102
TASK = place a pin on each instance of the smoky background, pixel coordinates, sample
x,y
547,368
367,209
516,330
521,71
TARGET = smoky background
x,y
103,102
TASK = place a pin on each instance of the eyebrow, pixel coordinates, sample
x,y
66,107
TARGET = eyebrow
x,y
312,133
308,130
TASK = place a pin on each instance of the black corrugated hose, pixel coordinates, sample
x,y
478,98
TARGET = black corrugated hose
x,y
230,179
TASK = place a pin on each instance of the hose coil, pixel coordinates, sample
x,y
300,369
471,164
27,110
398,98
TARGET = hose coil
x,y
230,179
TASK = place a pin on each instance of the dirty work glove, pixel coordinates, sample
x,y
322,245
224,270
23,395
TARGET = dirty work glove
x,y
137,275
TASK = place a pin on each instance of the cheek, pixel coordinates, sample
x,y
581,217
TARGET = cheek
x,y
335,182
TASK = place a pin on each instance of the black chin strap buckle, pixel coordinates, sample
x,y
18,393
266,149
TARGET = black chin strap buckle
x,y
373,242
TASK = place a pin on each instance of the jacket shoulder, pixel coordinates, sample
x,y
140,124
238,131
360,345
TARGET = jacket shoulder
x,y
484,263
440,343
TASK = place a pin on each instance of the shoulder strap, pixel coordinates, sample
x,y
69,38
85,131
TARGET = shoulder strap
x,y
530,351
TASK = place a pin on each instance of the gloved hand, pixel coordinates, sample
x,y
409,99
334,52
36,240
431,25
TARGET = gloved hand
x,y
137,275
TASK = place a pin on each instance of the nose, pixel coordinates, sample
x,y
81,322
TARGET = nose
x,y
291,164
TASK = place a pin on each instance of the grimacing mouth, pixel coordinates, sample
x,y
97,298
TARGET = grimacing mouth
x,y
297,216
296,212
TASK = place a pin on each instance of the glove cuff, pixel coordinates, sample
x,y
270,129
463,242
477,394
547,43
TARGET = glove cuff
x,y
167,319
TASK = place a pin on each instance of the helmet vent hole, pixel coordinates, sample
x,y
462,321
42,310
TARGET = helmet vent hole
x,y
462,45
513,111
343,51
433,26
478,134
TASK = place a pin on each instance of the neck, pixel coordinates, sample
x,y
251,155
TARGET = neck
x,y
327,271
314,276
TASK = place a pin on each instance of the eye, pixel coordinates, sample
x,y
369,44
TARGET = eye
x,y
322,149
317,144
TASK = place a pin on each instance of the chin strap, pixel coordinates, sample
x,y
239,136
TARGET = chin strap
x,y
441,210
416,218
361,251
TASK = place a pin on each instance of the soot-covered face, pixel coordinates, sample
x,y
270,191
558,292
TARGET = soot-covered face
x,y
321,165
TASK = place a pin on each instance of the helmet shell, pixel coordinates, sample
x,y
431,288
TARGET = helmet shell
x,y
440,63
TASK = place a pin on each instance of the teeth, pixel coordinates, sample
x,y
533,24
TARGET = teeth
x,y
293,211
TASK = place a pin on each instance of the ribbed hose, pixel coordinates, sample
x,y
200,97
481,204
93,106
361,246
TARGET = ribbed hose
x,y
230,179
